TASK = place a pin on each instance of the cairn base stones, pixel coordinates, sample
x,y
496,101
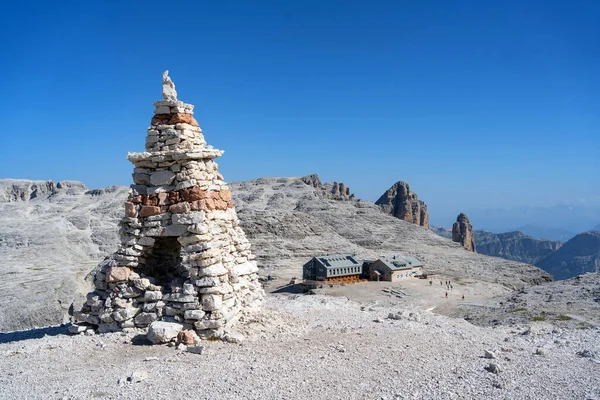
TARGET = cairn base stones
x,y
183,257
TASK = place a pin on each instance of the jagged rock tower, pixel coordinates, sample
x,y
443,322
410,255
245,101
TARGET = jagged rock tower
x,y
403,203
183,256
462,232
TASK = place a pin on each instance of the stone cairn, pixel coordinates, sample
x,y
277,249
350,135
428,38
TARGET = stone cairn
x,y
183,257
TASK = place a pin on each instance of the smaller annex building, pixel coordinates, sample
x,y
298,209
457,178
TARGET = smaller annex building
x,y
395,269
333,268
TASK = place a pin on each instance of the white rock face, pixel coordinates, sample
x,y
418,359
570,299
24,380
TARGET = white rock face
x,y
163,332
54,240
50,239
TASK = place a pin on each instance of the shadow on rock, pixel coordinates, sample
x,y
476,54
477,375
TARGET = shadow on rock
x,y
141,340
37,333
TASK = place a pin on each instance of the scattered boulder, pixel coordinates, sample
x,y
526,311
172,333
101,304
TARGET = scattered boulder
x,y
75,329
586,353
400,202
137,376
488,354
411,316
462,232
493,368
233,337
163,332
187,337
540,351
395,316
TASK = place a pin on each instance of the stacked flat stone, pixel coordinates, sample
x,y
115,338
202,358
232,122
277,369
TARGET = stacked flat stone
x,y
178,193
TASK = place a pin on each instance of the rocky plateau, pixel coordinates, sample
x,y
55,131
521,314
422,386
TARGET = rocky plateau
x,y
508,339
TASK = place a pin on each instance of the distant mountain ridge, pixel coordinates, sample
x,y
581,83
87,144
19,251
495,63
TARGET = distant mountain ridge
x,y
559,222
578,256
515,246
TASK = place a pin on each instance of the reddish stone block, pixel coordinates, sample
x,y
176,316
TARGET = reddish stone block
x,y
225,195
117,274
192,194
151,200
147,211
137,199
160,119
196,205
183,118
186,337
230,204
174,197
180,208
220,204
130,210
210,204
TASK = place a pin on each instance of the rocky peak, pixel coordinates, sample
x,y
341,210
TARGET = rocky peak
x,y
514,246
312,180
402,203
579,255
25,190
331,190
462,232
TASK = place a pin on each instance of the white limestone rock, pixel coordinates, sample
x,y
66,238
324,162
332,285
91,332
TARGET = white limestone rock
x,y
213,270
212,302
163,332
164,177
123,314
194,314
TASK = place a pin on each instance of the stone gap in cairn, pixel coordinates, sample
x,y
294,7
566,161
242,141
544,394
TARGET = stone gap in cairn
x,y
183,256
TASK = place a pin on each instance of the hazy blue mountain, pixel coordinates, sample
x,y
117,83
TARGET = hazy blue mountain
x,y
579,255
514,246
543,232
554,223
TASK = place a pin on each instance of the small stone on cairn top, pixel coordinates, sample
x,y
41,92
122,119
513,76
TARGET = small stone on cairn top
x,y
168,88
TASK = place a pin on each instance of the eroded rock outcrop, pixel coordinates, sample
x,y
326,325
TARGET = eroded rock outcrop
x,y
402,203
462,232
330,190
24,189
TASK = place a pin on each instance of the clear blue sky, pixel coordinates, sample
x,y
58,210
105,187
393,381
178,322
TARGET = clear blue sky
x,y
475,103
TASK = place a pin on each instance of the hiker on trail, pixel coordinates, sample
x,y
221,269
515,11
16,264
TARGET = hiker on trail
x,y
440,283
463,297
446,294
430,283
450,287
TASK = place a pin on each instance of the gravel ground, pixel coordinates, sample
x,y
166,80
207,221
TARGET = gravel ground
x,y
317,347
